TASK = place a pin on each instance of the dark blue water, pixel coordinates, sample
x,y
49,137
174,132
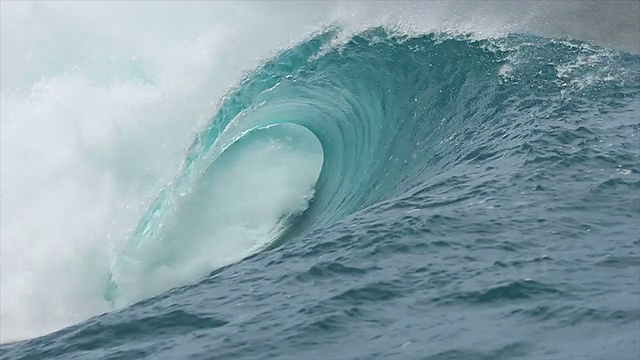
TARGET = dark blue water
x,y
479,199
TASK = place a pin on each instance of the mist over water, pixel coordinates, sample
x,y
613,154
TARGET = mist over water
x,y
102,101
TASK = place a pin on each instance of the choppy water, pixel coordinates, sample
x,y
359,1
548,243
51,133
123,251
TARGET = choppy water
x,y
370,193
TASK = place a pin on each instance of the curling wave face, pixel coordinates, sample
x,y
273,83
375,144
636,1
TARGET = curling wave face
x,y
388,111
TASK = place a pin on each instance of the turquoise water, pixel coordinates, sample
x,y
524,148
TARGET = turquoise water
x,y
432,196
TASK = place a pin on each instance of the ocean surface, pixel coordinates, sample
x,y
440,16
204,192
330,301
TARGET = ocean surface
x,y
344,189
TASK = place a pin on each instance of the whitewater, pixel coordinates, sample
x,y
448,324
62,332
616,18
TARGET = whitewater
x,y
340,180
